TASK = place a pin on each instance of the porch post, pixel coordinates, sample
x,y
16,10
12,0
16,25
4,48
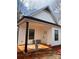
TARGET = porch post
x,y
17,34
26,36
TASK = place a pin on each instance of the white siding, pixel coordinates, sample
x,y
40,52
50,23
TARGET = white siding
x,y
53,42
50,37
21,38
44,15
47,38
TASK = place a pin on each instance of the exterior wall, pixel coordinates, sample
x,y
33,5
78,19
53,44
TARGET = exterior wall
x,y
44,15
48,37
53,42
43,33
21,37
40,32
37,34
51,36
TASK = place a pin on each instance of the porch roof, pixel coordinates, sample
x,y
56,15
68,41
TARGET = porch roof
x,y
39,20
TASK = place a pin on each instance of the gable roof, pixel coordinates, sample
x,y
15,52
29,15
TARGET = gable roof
x,y
47,9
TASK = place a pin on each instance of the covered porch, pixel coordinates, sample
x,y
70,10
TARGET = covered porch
x,y
34,34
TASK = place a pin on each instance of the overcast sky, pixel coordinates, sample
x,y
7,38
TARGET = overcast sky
x,y
28,5
36,3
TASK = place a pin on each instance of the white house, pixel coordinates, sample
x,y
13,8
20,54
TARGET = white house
x,y
41,25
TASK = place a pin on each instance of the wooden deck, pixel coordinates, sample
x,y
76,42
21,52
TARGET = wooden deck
x,y
42,55
31,48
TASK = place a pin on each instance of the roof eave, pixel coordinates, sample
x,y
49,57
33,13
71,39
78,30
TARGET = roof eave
x,y
30,17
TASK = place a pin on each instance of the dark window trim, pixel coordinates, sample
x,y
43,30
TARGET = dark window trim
x,y
33,34
56,33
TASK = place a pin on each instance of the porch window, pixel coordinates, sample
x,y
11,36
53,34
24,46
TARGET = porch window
x,y
31,34
56,35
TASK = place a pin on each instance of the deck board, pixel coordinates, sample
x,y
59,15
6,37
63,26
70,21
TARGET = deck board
x,y
32,47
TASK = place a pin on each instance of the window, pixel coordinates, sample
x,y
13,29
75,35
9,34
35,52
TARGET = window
x,y
56,35
31,34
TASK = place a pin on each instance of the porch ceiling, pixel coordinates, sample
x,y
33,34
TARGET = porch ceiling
x,y
39,25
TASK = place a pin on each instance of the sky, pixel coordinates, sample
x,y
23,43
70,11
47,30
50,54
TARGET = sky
x,y
36,3
28,6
